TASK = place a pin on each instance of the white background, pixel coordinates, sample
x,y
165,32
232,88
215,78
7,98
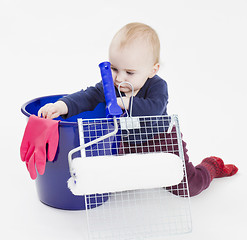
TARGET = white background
x,y
54,46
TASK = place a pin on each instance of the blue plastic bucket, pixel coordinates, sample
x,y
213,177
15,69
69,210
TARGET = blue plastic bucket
x,y
52,186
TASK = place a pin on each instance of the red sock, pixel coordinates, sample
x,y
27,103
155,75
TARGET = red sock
x,y
217,168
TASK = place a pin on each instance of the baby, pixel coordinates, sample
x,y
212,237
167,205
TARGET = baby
x,y
134,56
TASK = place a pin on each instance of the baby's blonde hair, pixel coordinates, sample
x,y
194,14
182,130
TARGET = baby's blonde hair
x,y
136,30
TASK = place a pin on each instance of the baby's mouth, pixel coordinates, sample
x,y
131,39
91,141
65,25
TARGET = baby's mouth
x,y
123,88
123,85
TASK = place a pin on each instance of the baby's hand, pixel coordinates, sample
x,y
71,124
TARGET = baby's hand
x,y
124,102
53,110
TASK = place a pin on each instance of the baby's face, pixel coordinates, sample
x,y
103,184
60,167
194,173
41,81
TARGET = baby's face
x,y
132,63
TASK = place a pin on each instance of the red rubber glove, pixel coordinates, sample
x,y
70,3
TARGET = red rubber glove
x,y
38,133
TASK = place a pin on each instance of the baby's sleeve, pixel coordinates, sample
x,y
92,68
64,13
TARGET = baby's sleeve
x,y
84,100
153,102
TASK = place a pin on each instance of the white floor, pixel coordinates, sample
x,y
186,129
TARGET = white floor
x,y
52,47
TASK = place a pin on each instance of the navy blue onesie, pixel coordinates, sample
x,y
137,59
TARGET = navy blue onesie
x,y
151,99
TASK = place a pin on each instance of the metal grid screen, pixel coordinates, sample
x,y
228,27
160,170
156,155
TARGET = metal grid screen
x,y
141,213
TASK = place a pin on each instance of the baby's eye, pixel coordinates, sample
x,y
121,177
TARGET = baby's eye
x,y
113,69
129,73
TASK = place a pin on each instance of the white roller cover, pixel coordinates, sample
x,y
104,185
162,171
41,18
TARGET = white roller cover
x,y
103,174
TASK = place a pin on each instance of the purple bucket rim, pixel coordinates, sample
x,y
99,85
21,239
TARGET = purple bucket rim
x,y
27,114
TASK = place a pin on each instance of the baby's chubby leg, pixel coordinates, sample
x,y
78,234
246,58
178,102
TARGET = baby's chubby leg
x,y
199,177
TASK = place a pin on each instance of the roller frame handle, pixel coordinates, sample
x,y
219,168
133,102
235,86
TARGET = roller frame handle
x,y
112,108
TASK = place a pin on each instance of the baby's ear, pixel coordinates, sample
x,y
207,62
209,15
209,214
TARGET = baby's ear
x,y
155,69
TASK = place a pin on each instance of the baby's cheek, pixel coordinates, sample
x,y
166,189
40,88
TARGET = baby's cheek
x,y
113,75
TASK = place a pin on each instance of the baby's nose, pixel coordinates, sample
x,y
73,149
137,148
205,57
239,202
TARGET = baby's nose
x,y
119,78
